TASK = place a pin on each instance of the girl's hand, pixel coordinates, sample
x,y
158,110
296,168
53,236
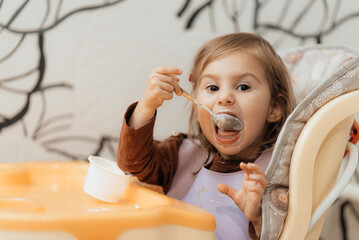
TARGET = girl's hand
x,y
161,84
249,197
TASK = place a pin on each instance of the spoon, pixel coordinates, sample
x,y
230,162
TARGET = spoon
x,y
222,120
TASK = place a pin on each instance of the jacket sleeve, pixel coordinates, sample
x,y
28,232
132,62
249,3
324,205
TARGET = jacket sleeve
x,y
151,161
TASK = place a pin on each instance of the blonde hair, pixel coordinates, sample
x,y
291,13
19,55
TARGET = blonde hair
x,y
277,75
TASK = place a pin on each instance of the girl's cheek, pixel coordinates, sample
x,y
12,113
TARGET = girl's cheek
x,y
200,113
207,99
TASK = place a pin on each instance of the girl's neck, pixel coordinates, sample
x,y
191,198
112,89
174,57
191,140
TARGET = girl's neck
x,y
222,165
226,164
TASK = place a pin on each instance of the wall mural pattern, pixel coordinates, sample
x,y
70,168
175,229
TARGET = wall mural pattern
x,y
53,16
282,20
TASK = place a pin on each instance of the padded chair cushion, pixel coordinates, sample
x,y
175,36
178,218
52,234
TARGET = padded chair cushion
x,y
319,74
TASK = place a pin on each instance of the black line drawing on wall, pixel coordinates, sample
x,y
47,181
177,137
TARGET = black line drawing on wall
x,y
282,20
45,127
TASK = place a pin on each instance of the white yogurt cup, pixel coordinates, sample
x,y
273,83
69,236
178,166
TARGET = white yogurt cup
x,y
105,180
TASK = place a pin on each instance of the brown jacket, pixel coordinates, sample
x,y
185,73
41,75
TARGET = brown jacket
x,y
149,160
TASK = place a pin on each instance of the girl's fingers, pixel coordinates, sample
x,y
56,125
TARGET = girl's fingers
x,y
254,173
251,167
258,180
166,95
171,82
166,87
256,190
228,190
168,70
178,90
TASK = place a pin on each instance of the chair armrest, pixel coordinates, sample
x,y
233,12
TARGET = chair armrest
x,y
339,186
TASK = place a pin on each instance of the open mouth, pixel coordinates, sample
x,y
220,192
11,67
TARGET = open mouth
x,y
225,136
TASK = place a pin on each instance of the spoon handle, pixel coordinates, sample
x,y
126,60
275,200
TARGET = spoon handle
x,y
189,97
186,95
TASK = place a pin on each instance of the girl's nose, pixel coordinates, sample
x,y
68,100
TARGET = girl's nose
x,y
225,99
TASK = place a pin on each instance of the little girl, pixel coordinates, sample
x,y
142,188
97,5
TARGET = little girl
x,y
219,170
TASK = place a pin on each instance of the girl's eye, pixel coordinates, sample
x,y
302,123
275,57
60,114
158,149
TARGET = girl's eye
x,y
213,88
243,87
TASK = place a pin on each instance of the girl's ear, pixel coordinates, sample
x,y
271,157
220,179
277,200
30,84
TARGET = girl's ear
x,y
275,112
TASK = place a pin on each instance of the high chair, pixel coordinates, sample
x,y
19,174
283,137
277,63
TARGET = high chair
x,y
45,200
308,154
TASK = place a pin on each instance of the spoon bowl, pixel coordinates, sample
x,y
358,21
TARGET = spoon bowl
x,y
227,122
222,120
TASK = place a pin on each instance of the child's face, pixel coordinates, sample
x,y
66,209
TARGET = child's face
x,y
236,84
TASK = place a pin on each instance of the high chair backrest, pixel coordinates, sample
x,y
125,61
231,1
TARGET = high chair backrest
x,y
307,155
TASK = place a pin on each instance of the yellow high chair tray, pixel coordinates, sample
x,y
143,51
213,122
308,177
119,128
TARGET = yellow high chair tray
x,y
46,200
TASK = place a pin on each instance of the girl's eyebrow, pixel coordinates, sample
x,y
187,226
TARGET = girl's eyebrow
x,y
239,76
250,75
211,76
